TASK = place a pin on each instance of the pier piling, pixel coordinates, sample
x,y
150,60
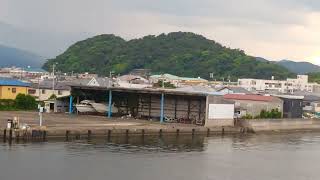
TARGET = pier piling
x,y
89,134
4,135
67,135
10,135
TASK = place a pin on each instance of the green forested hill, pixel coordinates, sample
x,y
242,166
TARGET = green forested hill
x,y
179,53
314,77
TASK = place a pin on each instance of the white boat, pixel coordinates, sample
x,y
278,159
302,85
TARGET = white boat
x,y
102,108
85,107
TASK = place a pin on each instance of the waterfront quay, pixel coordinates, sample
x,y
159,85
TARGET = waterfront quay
x,y
66,125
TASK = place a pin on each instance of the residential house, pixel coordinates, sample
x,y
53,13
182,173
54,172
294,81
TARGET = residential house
x,y
44,90
100,82
310,101
87,76
178,81
10,88
197,89
233,90
133,81
253,104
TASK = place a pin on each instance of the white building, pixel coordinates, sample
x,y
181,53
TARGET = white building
x,y
283,86
178,81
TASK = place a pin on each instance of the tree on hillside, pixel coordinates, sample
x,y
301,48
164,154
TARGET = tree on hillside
x,y
179,53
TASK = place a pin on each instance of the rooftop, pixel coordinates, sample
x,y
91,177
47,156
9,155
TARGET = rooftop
x,y
12,82
170,76
142,90
250,97
236,90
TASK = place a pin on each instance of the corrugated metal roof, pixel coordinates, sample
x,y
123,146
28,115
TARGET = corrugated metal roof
x,y
47,84
12,82
249,97
236,90
173,77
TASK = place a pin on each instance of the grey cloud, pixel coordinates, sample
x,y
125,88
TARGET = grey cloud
x,y
237,23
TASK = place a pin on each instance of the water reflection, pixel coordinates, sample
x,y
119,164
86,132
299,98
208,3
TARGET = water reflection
x,y
240,157
149,144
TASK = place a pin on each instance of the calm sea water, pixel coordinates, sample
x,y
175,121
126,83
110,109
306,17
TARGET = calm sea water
x,y
257,157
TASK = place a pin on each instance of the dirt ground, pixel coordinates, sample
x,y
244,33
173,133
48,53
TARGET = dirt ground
x,y
66,121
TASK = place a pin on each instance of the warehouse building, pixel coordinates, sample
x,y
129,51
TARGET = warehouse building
x,y
165,105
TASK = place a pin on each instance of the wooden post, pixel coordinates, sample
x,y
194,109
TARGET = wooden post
x,y
193,132
44,135
10,135
67,135
17,136
208,132
178,131
160,132
89,134
4,134
142,132
127,132
109,133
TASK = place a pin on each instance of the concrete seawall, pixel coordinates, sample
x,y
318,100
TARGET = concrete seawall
x,y
44,133
281,124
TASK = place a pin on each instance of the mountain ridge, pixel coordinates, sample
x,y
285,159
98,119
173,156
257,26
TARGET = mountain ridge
x,y
179,53
298,67
10,56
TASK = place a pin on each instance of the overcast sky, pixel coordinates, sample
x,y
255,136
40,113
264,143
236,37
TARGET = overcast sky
x,y
274,29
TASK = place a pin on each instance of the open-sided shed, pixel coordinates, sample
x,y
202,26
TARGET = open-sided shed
x,y
166,105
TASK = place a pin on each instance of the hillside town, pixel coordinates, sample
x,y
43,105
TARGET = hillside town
x,y
166,97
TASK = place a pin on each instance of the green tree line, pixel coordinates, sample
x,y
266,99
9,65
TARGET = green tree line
x,y
179,53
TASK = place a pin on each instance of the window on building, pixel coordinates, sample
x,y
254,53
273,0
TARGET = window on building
x,y
31,91
14,90
43,91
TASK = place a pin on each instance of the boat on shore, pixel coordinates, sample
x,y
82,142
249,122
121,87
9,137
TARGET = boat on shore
x,y
103,107
88,106
85,107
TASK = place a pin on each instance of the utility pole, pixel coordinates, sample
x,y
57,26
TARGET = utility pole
x,y
162,81
39,94
53,78
110,79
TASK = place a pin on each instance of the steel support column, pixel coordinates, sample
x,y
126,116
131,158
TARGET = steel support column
x,y
162,109
110,104
70,105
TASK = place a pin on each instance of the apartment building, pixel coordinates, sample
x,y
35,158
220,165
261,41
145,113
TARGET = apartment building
x,y
282,86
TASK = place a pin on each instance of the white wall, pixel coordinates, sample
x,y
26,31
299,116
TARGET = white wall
x,y
45,94
221,111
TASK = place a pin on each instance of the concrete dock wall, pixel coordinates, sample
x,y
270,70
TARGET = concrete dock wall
x,y
44,134
282,124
